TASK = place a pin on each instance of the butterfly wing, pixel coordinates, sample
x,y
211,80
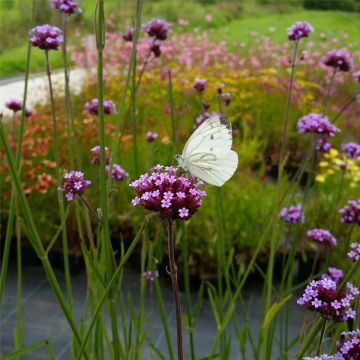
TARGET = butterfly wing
x,y
212,169
208,155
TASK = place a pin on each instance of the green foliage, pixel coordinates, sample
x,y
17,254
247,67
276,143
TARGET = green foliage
x,y
344,5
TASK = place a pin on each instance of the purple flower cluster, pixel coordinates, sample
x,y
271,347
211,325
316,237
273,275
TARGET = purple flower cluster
x,y
299,30
118,173
157,28
74,184
151,136
173,197
66,6
46,37
292,214
96,158
201,118
155,47
352,150
14,105
350,213
200,85
220,88
349,347
340,60
150,275
334,274
128,35
226,97
357,76
323,145
322,236
29,112
92,107
322,296
321,357
316,124
354,253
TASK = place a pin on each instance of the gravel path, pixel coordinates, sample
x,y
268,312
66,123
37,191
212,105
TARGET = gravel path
x,y
13,88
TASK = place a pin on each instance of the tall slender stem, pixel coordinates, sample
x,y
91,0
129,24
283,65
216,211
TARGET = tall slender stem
x,y
346,105
331,83
321,338
174,281
58,177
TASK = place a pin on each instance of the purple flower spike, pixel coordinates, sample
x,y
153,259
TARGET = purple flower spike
x,y
96,158
118,173
74,184
323,297
322,236
292,214
349,346
352,150
299,30
340,60
92,107
316,124
128,36
151,136
157,28
350,213
66,6
200,85
354,253
173,197
14,105
46,37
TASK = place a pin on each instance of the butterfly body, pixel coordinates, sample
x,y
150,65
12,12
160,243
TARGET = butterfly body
x,y
207,154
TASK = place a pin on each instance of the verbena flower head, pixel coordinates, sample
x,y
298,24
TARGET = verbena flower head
x,y
352,150
349,347
357,76
29,112
334,274
323,297
14,105
155,47
340,60
151,136
74,184
226,97
128,36
350,213
354,253
220,88
173,197
96,155
200,85
322,236
316,124
323,145
66,6
292,214
299,30
150,275
46,37
157,28
118,173
202,117
92,107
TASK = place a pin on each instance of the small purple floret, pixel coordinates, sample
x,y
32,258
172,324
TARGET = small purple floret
x,y
118,173
352,150
66,6
14,105
292,214
299,30
157,28
350,213
340,60
46,37
92,107
322,236
354,253
74,184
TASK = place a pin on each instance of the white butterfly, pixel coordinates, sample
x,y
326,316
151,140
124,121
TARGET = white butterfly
x,y
207,154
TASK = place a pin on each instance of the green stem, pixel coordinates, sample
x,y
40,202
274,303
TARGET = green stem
x,y
321,338
174,281
10,222
58,176
327,97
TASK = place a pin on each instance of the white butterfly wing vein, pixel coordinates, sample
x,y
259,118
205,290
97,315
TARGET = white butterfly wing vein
x,y
208,155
